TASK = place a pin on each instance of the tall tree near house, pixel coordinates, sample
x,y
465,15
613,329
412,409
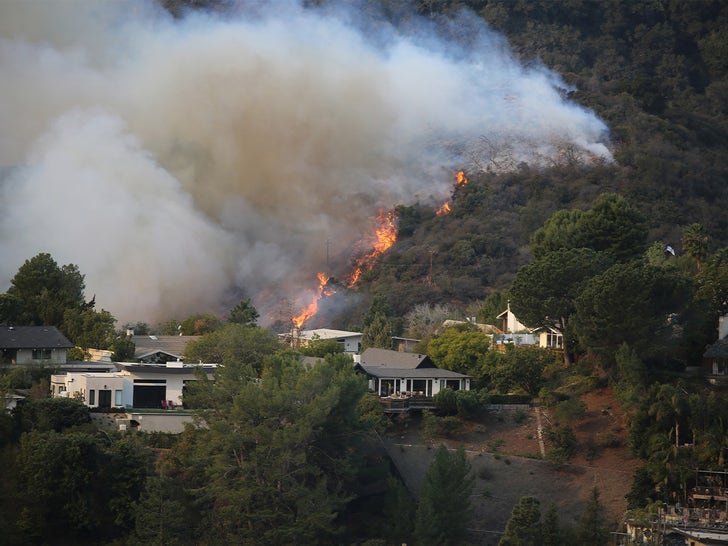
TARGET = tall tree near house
x,y
629,303
41,291
378,333
278,452
444,510
89,328
460,350
612,225
559,231
544,292
232,345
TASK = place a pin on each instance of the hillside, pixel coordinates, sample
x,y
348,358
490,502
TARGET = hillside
x,y
503,450
656,72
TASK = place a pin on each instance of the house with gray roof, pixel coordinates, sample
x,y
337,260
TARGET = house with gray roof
x,y
44,345
399,374
160,349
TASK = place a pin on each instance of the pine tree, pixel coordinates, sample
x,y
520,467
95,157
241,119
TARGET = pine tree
x,y
444,510
523,527
592,530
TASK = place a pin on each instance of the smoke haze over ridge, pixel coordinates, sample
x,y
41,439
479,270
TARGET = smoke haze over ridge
x,y
174,160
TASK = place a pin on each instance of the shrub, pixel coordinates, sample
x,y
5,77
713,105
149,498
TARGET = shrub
x,y
446,402
562,438
468,404
570,410
519,416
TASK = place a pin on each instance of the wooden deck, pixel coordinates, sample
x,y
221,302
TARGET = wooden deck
x,y
403,404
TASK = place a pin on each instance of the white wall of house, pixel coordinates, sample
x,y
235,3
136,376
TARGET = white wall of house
x,y
92,387
550,340
427,386
175,382
41,356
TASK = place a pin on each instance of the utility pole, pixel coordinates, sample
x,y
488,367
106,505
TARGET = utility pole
x,y
429,275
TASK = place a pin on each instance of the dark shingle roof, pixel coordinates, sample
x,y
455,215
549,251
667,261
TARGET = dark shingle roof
x,y
384,358
411,373
32,337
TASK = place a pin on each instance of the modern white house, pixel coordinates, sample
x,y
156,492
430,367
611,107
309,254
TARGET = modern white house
x,y
43,345
133,385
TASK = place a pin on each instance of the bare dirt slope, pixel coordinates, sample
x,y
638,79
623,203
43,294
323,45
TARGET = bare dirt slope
x,y
505,455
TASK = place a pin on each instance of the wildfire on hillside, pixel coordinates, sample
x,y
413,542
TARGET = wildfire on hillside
x,y
385,235
446,208
324,290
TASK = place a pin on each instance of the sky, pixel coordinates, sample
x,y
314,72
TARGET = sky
x,y
184,163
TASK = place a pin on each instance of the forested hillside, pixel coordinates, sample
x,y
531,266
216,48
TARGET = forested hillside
x,y
654,71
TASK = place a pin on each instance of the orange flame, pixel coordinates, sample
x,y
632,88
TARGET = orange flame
x,y
446,208
312,308
385,235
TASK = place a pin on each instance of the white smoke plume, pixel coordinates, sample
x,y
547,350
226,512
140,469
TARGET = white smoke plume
x,y
177,160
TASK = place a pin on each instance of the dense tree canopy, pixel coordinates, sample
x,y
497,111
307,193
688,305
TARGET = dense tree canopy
x,y
629,303
544,292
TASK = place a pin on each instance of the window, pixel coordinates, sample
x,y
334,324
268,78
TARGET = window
x,y
118,398
91,397
42,354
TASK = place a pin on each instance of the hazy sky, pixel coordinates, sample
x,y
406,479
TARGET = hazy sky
x,y
177,161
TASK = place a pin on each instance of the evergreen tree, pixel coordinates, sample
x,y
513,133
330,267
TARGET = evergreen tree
x,y
523,527
41,292
244,313
378,333
444,511
592,529
551,534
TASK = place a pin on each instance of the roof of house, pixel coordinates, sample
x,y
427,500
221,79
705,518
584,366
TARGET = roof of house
x,y
384,358
162,369
485,328
411,373
32,337
171,345
327,333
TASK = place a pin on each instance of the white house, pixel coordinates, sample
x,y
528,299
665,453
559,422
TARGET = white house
x,y
134,385
517,333
509,324
33,345
395,372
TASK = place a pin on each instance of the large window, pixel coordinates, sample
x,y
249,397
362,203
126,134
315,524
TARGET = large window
x,y
91,397
42,354
118,400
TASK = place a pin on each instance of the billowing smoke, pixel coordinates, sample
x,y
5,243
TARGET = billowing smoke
x,y
175,161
